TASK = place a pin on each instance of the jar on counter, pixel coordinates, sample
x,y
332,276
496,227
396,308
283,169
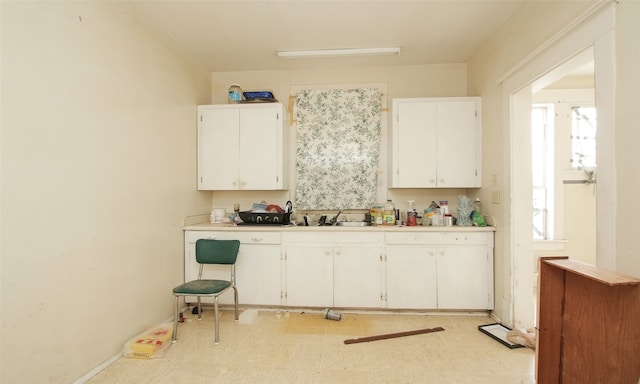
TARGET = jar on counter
x,y
426,217
389,213
448,220
377,214
235,94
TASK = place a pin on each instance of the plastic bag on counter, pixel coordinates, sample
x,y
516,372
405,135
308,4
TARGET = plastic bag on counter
x,y
478,219
465,207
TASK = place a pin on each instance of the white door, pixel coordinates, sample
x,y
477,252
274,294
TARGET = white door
x,y
309,276
357,277
411,277
464,278
218,143
458,144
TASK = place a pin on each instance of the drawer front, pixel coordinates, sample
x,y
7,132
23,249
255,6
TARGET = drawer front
x,y
440,238
334,238
244,237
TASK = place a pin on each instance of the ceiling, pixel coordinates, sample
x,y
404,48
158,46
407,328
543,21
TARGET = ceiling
x,y
244,35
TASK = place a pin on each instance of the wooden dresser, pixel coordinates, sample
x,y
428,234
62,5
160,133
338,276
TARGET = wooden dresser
x,y
588,324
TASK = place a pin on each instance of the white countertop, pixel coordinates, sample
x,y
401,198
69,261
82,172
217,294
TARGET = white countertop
x,y
283,228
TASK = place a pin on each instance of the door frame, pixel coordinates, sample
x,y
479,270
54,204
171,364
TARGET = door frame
x,y
594,28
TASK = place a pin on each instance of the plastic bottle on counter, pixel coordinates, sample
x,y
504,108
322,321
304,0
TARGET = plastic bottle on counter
x,y
477,205
389,213
444,207
412,214
379,214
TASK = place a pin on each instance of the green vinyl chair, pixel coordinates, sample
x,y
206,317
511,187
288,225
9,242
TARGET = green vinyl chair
x,y
208,251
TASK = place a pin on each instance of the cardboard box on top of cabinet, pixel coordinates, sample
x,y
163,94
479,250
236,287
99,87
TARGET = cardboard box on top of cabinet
x,y
151,343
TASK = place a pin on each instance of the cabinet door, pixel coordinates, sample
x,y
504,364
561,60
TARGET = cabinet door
x,y
218,143
414,144
258,268
258,276
309,276
411,277
465,278
459,144
260,161
357,277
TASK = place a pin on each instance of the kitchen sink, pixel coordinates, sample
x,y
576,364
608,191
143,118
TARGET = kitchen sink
x,y
353,223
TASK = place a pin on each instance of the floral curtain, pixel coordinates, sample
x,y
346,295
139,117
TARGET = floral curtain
x,y
338,148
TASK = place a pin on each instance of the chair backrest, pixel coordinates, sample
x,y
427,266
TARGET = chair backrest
x,y
210,251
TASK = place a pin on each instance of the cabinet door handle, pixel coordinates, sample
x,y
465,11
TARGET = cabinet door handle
x,y
256,238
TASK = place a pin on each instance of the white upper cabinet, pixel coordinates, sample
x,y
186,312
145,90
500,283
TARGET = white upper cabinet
x,y
241,147
436,143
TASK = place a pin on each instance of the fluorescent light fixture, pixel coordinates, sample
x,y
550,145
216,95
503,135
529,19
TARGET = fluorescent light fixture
x,y
338,52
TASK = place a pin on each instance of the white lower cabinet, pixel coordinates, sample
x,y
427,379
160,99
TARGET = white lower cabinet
x,y
309,276
411,277
358,275
258,268
443,270
334,270
465,277
396,270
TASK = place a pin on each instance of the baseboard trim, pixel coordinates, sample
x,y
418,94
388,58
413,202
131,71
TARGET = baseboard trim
x,y
89,375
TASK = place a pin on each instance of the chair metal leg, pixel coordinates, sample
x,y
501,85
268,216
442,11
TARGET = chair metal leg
x,y
215,306
199,309
235,298
175,322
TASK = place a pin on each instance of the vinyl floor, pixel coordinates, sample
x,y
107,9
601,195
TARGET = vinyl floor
x,y
267,346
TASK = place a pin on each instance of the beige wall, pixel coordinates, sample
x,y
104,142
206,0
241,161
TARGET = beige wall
x,y
532,25
528,29
627,137
98,165
433,80
98,172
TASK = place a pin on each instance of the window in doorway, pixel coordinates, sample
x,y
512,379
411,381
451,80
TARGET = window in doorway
x,y
583,137
542,170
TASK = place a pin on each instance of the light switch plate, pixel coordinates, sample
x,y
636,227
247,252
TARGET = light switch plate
x,y
495,197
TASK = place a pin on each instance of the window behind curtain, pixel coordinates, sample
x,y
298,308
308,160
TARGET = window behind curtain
x,y
338,148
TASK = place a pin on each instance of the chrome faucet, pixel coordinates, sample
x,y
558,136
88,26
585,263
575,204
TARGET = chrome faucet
x,y
334,219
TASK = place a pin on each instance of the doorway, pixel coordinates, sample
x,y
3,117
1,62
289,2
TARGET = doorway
x,y
596,32
563,132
